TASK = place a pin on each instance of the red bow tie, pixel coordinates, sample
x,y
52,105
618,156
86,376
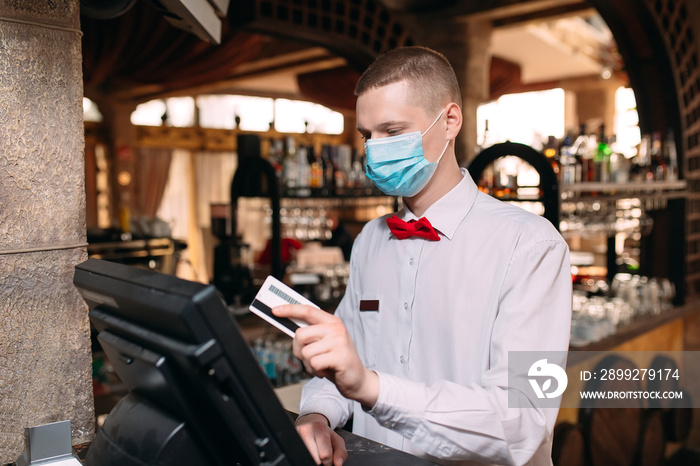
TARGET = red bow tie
x,y
420,227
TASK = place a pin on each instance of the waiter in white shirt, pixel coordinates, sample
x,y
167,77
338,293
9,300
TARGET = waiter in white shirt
x,y
417,351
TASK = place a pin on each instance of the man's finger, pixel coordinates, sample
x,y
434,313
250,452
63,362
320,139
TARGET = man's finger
x,y
307,435
317,367
318,373
340,453
324,446
309,314
321,338
311,446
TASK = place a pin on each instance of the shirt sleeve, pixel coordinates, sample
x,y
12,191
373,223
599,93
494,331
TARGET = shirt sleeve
x,y
474,422
320,395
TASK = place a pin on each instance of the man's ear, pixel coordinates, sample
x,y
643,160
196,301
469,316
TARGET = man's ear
x,y
454,120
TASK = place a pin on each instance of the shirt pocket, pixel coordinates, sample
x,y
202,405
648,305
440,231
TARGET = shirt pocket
x,y
367,335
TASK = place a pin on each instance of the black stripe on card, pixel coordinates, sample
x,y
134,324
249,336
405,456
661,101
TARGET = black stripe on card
x,y
268,311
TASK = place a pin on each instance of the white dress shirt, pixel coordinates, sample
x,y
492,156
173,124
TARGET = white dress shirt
x,y
449,311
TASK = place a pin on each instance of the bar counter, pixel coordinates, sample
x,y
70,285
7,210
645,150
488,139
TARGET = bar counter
x,y
361,452
663,332
670,331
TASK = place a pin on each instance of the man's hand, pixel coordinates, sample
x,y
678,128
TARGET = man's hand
x,y
326,350
326,447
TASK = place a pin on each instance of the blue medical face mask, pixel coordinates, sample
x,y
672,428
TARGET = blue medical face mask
x,y
396,164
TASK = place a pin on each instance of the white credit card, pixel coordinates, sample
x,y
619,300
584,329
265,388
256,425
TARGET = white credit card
x,y
275,293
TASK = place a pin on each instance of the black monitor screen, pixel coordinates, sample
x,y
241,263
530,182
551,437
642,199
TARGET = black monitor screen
x,y
196,392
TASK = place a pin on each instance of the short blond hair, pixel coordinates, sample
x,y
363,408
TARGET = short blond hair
x,y
430,75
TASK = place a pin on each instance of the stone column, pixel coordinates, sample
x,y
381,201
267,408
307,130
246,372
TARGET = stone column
x,y
45,354
465,43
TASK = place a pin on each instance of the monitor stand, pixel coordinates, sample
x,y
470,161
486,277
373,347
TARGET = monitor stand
x,y
136,432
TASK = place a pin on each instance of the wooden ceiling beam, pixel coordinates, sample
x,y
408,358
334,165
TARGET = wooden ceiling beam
x,y
502,12
299,60
551,14
284,61
231,85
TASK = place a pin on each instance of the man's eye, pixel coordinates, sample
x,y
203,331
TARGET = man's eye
x,y
393,132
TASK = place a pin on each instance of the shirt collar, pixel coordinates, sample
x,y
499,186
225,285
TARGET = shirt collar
x,y
447,213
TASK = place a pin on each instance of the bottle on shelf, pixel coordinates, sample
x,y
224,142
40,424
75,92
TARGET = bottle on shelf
x,y
290,167
569,165
671,156
552,154
486,140
304,177
506,177
657,171
356,177
589,154
316,177
641,167
327,166
276,158
487,182
619,165
601,157
580,151
343,166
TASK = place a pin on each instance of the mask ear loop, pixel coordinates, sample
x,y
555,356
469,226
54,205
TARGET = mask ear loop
x,y
431,126
443,151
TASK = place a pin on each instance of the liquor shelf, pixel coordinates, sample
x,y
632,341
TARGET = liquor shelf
x,y
643,190
629,187
322,193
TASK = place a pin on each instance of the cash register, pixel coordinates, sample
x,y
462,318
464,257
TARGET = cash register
x,y
196,392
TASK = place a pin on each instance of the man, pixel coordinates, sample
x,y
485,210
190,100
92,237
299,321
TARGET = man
x,y
417,351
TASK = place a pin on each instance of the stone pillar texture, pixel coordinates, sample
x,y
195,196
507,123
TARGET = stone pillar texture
x,y
465,44
45,354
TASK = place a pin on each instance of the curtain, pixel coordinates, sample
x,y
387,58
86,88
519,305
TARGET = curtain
x,y
213,174
153,167
178,209
194,181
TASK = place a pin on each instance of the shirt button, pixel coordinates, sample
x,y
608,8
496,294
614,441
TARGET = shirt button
x,y
410,261
405,306
402,359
